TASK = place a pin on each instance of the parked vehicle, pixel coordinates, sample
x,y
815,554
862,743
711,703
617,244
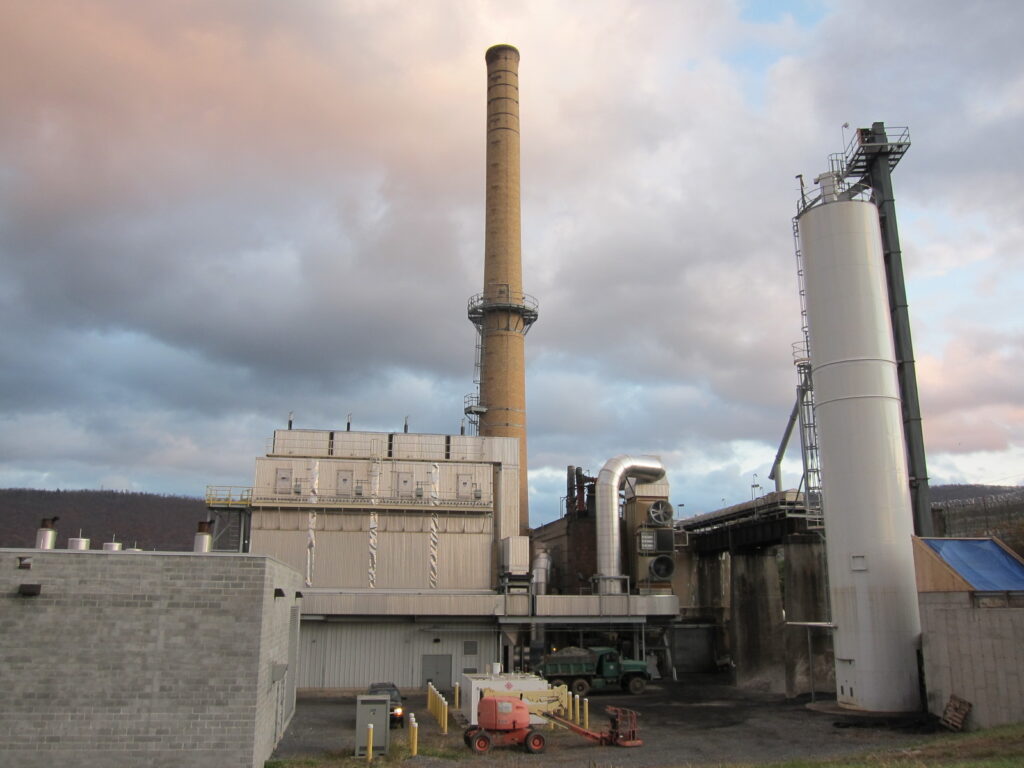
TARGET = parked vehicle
x,y
598,668
397,711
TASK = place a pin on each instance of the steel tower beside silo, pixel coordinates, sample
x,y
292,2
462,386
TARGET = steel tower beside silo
x,y
502,313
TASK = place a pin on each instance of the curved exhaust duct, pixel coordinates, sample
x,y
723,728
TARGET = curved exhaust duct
x,y
609,482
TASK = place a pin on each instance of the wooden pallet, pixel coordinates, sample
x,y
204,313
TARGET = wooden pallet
x,y
956,713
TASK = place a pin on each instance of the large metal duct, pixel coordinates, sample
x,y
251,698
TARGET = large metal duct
x,y
865,491
609,482
541,571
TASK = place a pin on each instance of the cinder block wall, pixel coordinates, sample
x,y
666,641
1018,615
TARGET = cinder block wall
x,y
155,659
971,643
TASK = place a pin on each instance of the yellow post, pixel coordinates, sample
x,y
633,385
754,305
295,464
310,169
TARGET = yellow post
x,y
576,709
444,717
414,737
586,714
369,743
456,697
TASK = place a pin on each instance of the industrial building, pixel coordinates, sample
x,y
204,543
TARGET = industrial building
x,y
420,562
415,570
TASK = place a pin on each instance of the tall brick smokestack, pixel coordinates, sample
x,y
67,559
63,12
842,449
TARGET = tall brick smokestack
x,y
503,313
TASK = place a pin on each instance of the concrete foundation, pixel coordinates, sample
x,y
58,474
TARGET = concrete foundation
x,y
808,650
757,629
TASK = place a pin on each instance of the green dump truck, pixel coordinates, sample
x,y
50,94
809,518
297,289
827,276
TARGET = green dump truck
x,y
599,668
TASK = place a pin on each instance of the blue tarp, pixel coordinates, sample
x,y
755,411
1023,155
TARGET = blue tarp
x,y
985,565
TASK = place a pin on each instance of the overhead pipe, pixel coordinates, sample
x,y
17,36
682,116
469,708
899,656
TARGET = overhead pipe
x,y
609,482
776,473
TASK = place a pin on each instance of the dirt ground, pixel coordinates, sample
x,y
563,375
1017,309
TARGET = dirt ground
x,y
697,721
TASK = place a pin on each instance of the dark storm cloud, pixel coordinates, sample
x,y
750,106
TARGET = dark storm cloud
x,y
212,214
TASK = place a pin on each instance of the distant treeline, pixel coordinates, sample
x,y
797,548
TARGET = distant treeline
x,y
993,511
152,521
145,520
942,493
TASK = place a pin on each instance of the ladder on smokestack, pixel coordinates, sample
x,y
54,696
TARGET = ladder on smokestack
x,y
805,399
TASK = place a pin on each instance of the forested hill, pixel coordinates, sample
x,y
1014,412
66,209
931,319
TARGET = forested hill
x,y
145,520
940,493
150,521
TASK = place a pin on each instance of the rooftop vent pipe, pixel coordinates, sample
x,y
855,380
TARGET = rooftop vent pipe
x,y
78,542
204,539
46,536
609,482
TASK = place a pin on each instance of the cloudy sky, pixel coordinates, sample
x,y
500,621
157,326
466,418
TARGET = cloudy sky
x,y
213,213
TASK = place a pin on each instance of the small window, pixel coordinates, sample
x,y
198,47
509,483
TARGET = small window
x,y
469,648
505,707
469,670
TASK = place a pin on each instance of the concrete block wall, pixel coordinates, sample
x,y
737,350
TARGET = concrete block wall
x,y
128,659
971,644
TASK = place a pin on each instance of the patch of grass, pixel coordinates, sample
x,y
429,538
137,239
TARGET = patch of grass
x,y
430,745
1001,747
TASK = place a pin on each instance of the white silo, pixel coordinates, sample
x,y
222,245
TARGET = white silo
x,y
865,494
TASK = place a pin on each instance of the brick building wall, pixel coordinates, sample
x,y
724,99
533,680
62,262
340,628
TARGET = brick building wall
x,y
155,659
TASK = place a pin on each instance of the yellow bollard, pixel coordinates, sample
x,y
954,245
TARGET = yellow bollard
x,y
444,717
414,737
456,696
369,743
576,709
586,714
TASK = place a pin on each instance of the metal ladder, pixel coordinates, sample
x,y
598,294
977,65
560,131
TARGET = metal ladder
x,y
805,384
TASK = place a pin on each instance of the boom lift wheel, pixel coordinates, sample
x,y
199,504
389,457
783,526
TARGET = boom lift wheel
x,y
469,733
481,742
534,742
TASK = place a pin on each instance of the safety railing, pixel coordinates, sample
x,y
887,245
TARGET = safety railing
x,y
228,496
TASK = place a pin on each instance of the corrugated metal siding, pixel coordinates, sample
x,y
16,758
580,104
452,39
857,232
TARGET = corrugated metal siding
x,y
467,448
426,603
343,655
508,512
464,561
360,445
403,547
418,446
363,471
301,442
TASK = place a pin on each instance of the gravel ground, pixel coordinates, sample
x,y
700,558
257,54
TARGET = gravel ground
x,y
698,721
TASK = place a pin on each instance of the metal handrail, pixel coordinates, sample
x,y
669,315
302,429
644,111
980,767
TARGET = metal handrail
x,y
228,495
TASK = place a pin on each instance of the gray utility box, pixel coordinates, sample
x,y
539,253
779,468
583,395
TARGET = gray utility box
x,y
375,710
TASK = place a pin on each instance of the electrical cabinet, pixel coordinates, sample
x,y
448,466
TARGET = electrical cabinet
x,y
375,710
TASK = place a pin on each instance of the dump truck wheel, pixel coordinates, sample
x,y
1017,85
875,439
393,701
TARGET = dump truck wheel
x,y
636,685
481,742
535,742
580,686
468,735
